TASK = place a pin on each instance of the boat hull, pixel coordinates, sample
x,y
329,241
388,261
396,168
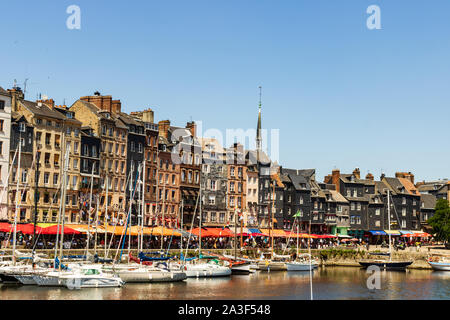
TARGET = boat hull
x,y
150,276
241,269
272,266
299,266
197,271
8,279
387,265
440,266
74,282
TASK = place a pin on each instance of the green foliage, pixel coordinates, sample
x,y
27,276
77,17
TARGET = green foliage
x,y
440,221
340,254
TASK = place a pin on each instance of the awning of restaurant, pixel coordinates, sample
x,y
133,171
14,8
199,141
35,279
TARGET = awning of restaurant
x,y
160,231
416,234
27,228
256,232
392,232
277,233
325,236
6,227
377,232
54,230
299,235
343,236
405,232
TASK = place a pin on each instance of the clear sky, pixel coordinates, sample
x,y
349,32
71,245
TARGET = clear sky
x,y
343,96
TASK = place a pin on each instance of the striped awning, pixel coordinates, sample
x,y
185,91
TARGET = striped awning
x,y
392,232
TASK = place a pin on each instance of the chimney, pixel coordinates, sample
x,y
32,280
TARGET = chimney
x,y
101,102
148,116
16,95
382,176
49,102
406,175
357,173
164,128
335,176
116,106
192,128
369,176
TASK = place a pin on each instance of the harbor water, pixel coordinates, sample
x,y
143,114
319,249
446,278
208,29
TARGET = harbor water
x,y
328,283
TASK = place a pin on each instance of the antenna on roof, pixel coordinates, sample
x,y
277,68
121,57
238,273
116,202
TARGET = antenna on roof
x,y
25,86
96,93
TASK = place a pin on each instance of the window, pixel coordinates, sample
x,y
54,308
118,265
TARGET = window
x,y
183,175
24,175
94,151
68,131
132,146
232,171
213,185
359,206
190,176
301,200
140,149
2,105
213,216
231,186
377,211
352,206
75,147
222,217
74,181
1,125
403,223
404,212
75,163
55,179
47,138
46,176
377,223
22,127
38,121
403,200
212,200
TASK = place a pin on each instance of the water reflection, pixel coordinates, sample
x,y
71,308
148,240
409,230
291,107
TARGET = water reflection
x,y
328,283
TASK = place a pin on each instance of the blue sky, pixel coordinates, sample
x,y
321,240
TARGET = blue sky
x,y
343,96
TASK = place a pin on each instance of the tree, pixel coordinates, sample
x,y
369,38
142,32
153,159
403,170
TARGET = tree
x,y
440,221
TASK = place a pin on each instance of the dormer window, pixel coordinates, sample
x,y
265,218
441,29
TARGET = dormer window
x,y
107,115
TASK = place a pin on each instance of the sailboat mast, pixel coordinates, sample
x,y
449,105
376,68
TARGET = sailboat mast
x,y
106,218
389,223
235,231
63,207
89,209
163,212
18,199
143,205
96,226
181,226
273,204
200,217
297,239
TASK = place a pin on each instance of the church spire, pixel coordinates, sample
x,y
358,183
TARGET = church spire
x,y
258,130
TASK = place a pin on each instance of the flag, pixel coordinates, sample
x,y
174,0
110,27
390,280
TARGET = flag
x,y
297,215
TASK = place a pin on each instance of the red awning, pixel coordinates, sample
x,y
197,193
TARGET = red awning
x,y
54,230
213,232
324,236
5,227
26,228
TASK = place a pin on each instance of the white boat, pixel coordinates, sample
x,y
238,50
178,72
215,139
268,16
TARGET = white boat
x,y
90,276
140,274
201,270
25,276
440,265
245,268
299,266
7,273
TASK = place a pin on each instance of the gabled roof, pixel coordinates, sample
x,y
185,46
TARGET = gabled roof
x,y
42,110
252,155
409,186
428,200
337,196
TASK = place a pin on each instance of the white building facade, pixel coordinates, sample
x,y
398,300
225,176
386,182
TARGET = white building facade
x,y
5,136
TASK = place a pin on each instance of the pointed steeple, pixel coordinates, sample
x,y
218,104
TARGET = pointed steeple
x,y
258,130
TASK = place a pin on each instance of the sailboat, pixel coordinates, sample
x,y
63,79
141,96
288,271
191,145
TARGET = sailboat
x,y
387,264
302,263
136,271
210,269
